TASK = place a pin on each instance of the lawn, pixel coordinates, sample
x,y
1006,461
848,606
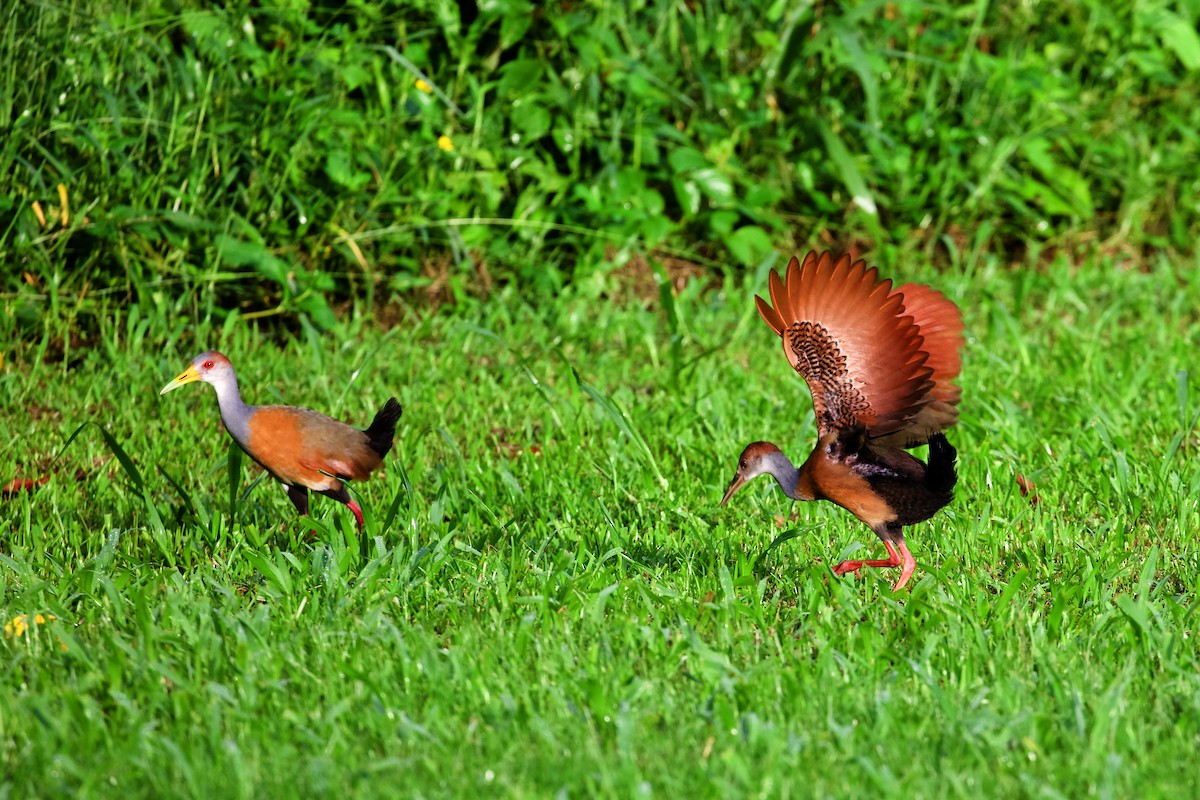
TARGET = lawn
x,y
547,600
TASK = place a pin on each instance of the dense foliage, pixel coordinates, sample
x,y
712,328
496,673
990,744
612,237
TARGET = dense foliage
x,y
280,156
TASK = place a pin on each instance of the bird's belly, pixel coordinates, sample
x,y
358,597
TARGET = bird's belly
x,y
867,507
840,485
913,503
309,479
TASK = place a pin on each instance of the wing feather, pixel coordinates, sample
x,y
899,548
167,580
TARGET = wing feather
x,y
941,326
845,331
765,309
304,447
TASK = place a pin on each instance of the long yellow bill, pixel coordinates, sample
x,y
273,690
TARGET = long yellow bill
x,y
189,375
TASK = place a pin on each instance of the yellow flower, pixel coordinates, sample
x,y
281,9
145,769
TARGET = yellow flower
x,y
18,625
424,87
445,143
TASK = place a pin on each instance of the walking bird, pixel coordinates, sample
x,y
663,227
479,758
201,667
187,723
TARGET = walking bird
x,y
879,363
300,448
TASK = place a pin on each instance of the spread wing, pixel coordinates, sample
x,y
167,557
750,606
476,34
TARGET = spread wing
x,y
846,333
941,326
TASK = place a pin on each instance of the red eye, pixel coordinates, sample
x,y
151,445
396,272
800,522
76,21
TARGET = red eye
x,y
208,365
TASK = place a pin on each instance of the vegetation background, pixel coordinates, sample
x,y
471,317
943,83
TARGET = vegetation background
x,y
541,226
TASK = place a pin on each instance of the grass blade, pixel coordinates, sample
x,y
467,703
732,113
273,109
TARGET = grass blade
x,y
233,471
619,418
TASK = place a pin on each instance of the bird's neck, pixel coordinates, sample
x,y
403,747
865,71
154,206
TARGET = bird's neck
x,y
786,475
234,413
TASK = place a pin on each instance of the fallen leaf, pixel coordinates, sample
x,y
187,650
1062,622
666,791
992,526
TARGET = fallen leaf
x,y
18,485
1028,489
783,522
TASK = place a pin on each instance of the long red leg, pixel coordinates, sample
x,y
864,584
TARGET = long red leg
x,y
357,509
342,496
903,559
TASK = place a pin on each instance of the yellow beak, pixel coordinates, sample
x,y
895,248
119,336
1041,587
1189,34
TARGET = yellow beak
x,y
189,375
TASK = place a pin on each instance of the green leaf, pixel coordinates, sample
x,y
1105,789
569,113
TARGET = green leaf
x,y
786,536
233,465
687,159
721,222
687,194
1146,576
1064,179
623,423
861,65
749,245
342,172
518,76
1039,194
1010,591
531,118
317,308
847,169
131,471
714,184
1177,35
241,253
1137,613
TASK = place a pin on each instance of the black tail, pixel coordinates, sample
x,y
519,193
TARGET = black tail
x,y
939,472
383,427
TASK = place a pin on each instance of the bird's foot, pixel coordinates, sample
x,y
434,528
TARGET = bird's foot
x,y
856,566
903,559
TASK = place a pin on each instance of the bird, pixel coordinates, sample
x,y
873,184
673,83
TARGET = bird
x,y
301,448
880,364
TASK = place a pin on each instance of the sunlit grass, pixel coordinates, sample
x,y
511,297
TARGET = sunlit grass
x,y
545,613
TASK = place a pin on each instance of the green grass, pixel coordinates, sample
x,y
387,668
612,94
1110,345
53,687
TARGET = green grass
x,y
563,622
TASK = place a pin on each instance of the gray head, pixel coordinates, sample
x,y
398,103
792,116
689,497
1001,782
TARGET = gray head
x,y
762,458
211,367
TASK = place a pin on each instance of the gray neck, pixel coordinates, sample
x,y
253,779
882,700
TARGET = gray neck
x,y
784,473
234,413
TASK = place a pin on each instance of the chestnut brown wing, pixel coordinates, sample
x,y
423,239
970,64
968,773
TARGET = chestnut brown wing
x,y
845,332
940,324
306,448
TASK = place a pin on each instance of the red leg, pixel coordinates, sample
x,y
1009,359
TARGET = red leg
x,y
855,566
353,506
906,570
342,496
903,559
